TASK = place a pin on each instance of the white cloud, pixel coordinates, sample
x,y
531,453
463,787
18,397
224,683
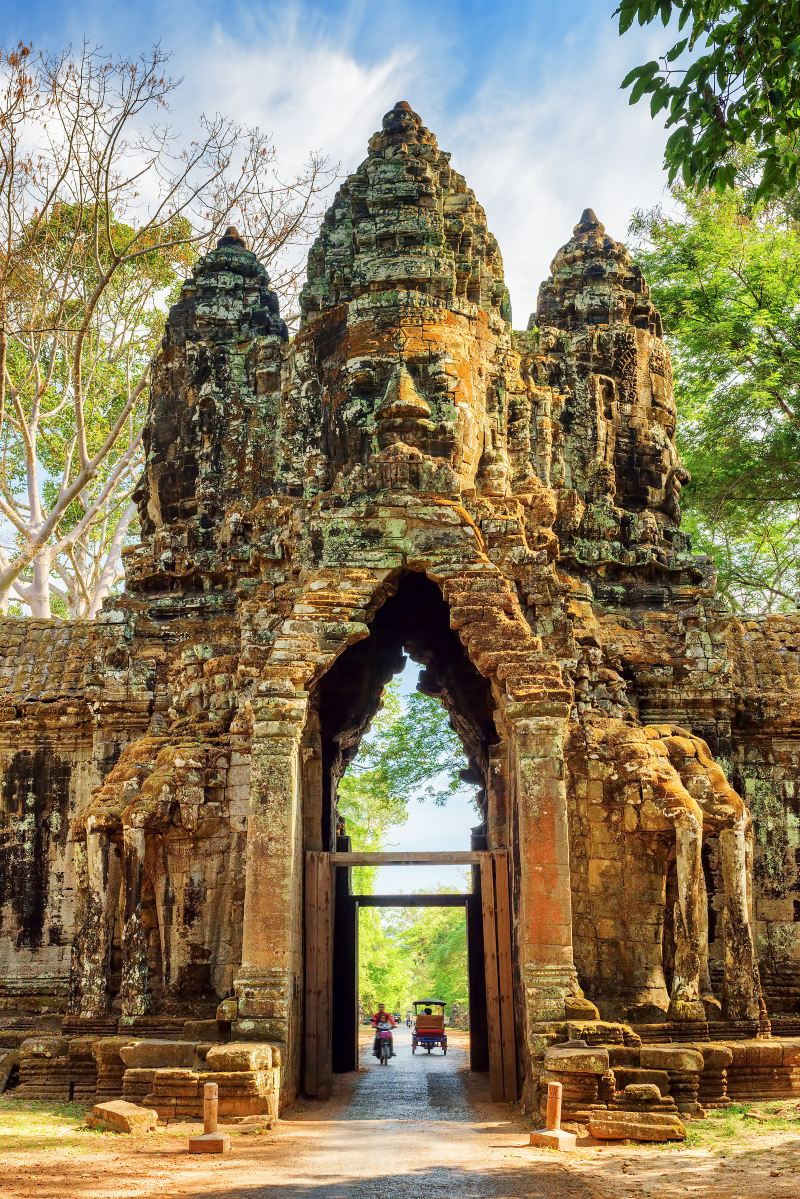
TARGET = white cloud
x,y
538,139
535,159
292,79
536,163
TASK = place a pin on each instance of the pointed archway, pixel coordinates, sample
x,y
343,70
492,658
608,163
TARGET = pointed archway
x,y
414,620
479,643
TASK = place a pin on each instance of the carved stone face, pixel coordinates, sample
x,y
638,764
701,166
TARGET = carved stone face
x,y
652,473
410,382
667,475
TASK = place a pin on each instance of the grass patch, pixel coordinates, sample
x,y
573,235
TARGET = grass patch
x,y
742,1122
29,1125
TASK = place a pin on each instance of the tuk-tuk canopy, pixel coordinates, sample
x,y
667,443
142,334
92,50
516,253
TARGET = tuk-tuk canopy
x,y
430,1002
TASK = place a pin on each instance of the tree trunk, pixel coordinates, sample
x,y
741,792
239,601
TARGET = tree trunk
x,y
112,568
40,587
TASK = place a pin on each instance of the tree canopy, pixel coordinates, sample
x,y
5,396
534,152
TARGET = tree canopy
x,y
103,209
411,953
731,79
725,272
410,754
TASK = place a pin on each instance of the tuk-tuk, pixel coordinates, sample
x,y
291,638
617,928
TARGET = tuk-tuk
x,y
429,1025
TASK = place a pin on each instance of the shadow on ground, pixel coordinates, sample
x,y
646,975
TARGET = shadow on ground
x,y
542,1181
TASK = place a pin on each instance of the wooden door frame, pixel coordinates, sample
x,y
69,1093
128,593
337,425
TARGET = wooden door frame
x,y
320,898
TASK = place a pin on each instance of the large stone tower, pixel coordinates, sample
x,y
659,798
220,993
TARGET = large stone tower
x,y
405,474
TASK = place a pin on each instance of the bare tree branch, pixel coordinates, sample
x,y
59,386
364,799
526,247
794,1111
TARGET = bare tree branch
x,y
103,209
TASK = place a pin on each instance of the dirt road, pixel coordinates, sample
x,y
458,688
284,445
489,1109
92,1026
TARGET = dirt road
x,y
420,1128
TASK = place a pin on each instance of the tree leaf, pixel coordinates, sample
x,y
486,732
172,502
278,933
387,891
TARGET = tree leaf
x,y
677,50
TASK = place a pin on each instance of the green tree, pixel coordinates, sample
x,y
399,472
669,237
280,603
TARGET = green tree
x,y
103,208
725,272
385,968
411,953
433,944
732,79
410,752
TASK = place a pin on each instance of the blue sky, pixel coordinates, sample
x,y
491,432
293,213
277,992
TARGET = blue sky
x,y
429,827
524,93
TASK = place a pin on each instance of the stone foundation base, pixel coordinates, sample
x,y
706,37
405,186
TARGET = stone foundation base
x,y
210,1142
546,1138
547,989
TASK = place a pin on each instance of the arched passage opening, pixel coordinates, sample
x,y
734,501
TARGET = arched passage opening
x,y
413,620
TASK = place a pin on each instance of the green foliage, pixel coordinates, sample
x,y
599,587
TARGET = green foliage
x,y
742,1122
433,943
29,1126
59,265
384,968
409,753
411,953
732,78
725,272
103,209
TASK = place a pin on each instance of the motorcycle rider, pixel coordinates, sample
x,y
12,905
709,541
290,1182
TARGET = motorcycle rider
x,y
382,1017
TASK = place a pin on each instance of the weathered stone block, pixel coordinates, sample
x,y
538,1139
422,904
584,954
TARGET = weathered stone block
x,y
636,1126
576,1008
157,1054
241,1055
578,1061
642,1092
671,1057
227,1011
202,1030
9,1059
120,1116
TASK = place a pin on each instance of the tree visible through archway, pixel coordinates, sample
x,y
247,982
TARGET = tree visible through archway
x,y
410,760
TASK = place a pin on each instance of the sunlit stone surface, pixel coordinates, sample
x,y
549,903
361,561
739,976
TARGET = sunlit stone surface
x,y
405,472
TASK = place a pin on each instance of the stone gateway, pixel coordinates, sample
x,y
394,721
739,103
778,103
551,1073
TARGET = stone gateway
x,y
406,473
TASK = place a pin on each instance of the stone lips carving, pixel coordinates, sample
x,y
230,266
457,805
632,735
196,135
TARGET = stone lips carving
x,y
407,471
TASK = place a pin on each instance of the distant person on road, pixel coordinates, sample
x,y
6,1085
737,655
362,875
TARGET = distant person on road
x,y
382,1017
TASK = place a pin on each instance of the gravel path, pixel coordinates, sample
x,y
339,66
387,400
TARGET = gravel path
x,y
420,1128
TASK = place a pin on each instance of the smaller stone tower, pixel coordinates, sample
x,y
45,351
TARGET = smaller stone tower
x,y
211,420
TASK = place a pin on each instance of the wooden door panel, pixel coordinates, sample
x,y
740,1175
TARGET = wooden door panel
x,y
319,971
496,904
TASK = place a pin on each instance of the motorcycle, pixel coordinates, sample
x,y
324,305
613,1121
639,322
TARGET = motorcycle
x,y
384,1035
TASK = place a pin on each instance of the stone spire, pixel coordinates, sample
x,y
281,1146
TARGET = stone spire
x,y
203,407
405,221
227,296
594,282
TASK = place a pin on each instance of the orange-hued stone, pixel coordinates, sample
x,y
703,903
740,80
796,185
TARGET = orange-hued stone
x,y
405,474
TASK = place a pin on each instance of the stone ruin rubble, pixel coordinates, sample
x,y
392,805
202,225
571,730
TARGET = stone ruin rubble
x,y
405,472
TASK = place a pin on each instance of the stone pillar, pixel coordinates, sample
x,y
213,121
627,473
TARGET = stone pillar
x,y
135,985
268,985
544,935
706,990
685,1003
742,985
98,884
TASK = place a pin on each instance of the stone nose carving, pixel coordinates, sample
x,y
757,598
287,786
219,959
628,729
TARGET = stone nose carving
x,y
403,413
